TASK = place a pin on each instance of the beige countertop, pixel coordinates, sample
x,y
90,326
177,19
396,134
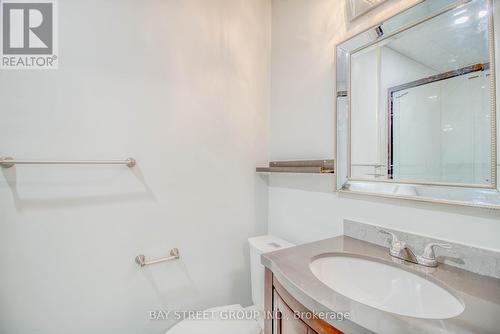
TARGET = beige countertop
x,y
480,294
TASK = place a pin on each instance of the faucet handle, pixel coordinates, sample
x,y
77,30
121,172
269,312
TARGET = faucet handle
x,y
399,248
396,246
394,238
429,250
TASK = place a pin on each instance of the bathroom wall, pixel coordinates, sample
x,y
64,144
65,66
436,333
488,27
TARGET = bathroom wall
x,y
303,207
365,134
378,69
183,87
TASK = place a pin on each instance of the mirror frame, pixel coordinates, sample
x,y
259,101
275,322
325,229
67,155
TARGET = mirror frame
x,y
487,196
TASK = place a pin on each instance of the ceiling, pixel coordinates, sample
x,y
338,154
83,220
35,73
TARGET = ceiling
x,y
449,41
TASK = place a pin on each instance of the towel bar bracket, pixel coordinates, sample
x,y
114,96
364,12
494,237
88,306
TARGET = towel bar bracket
x,y
4,162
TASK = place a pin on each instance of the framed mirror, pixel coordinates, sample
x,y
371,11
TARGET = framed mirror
x,y
416,112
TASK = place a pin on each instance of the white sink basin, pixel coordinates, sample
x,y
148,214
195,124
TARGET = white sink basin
x,y
386,287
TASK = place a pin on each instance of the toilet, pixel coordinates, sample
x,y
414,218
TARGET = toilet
x,y
219,322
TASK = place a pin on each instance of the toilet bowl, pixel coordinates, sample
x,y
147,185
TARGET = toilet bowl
x,y
230,319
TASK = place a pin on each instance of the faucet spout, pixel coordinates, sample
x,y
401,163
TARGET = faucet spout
x,y
400,249
407,254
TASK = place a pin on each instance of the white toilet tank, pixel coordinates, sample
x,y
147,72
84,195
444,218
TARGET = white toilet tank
x,y
259,245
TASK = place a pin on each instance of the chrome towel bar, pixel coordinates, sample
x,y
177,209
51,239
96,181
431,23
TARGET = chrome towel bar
x,y
7,162
141,259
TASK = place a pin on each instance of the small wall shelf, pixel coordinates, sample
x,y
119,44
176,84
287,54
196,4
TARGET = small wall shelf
x,y
299,166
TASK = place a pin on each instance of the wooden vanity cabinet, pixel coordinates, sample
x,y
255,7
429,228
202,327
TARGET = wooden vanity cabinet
x,y
289,316
285,321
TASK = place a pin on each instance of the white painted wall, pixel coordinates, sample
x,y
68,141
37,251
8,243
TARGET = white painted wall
x,y
364,112
374,71
182,86
304,207
397,69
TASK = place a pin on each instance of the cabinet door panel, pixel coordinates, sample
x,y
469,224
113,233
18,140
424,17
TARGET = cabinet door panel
x,y
287,323
317,326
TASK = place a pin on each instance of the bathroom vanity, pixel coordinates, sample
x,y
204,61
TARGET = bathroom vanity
x,y
290,316
387,295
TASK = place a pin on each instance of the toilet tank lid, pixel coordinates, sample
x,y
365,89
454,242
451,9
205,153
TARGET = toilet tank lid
x,y
268,243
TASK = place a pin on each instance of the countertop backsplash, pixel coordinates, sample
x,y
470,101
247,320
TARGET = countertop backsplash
x,y
477,260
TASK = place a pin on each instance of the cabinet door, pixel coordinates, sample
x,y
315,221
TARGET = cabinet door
x,y
286,322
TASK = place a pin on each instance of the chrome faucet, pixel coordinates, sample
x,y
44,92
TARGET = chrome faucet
x,y
401,250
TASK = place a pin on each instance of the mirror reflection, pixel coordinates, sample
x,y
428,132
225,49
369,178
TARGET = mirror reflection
x,y
420,102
